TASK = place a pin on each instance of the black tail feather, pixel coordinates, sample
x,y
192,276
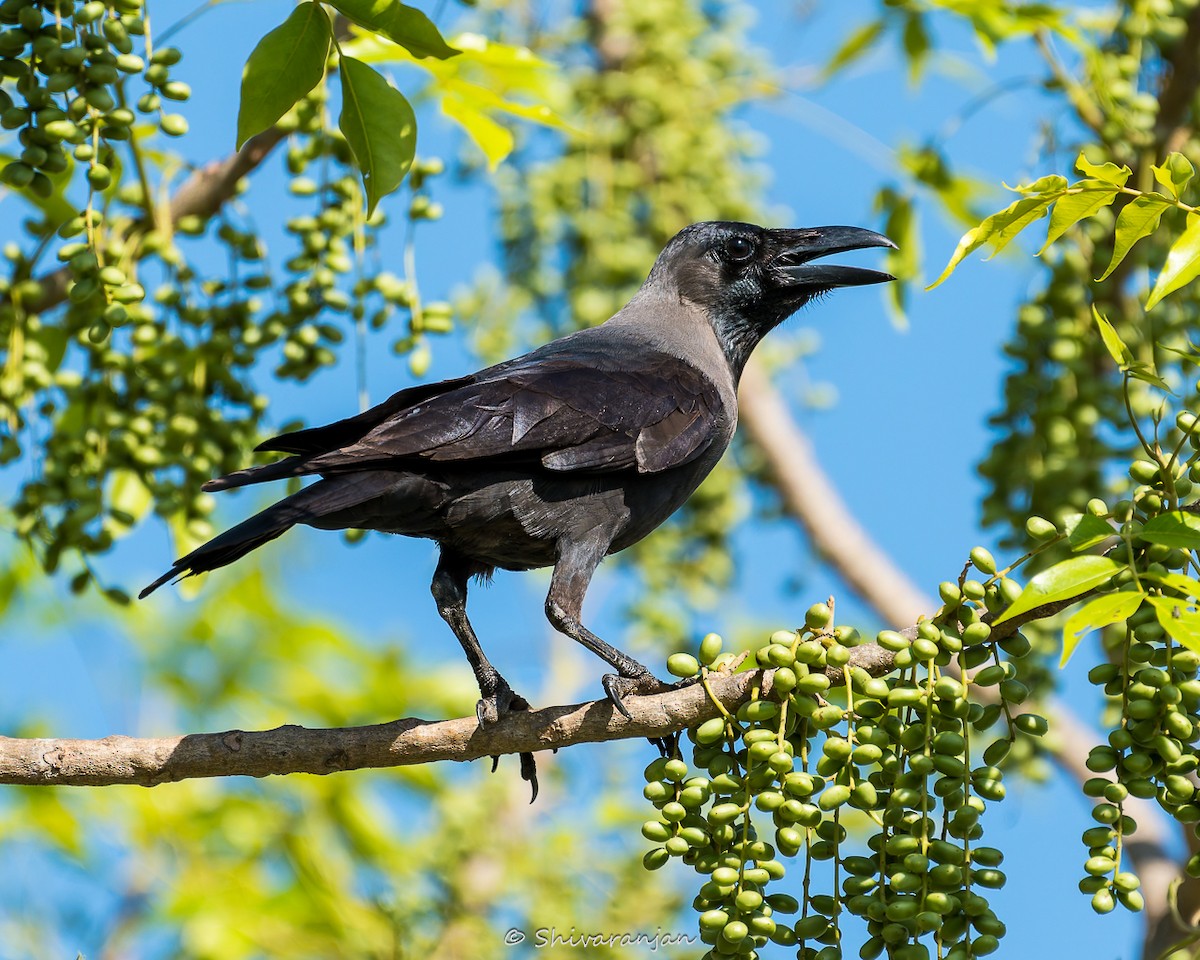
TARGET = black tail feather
x,y
233,544
318,500
280,469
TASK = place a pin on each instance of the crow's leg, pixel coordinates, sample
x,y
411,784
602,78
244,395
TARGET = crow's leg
x,y
577,561
449,589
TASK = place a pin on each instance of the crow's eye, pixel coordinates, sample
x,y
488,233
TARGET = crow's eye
x,y
738,249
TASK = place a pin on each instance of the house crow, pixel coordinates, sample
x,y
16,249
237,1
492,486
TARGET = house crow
x,y
561,456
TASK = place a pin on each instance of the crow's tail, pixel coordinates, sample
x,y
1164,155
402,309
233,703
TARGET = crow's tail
x,y
318,500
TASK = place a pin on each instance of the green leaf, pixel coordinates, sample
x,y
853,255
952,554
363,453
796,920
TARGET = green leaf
x,y
1108,172
1097,613
1081,201
1180,623
1112,340
1174,529
1144,370
401,24
998,229
380,127
1175,174
854,47
1190,355
284,65
1066,579
904,263
915,39
1086,530
1188,586
1183,262
1137,219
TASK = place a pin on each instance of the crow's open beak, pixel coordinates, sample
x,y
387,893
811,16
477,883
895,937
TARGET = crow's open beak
x,y
798,247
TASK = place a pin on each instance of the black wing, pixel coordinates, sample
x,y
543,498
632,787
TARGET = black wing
x,y
649,415
594,413
317,440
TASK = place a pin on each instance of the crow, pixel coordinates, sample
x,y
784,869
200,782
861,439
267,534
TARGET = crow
x,y
564,455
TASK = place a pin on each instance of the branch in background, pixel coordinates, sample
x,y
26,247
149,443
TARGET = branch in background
x,y
294,749
1179,88
203,193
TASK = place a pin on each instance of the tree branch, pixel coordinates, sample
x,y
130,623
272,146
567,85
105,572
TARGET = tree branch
x,y
294,749
813,501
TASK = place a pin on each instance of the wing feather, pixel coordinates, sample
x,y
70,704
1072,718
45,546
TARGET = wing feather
x,y
553,414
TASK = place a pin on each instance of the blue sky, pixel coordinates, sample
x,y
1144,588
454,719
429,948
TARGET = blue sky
x,y
900,443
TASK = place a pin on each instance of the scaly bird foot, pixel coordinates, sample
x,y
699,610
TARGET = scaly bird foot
x,y
639,685
503,700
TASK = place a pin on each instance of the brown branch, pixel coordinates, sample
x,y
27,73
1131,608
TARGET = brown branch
x,y
1179,88
208,189
294,749
811,499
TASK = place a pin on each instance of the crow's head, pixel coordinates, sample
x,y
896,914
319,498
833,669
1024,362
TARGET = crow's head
x,y
750,278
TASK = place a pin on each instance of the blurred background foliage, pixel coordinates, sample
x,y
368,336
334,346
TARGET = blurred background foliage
x,y
138,367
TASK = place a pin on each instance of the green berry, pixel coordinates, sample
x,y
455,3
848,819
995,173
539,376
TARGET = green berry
x,y
682,665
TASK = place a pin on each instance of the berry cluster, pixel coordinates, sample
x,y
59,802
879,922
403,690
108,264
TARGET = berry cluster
x,y
895,756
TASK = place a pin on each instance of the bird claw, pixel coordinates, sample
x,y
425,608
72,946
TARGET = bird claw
x,y
667,746
490,709
504,700
641,685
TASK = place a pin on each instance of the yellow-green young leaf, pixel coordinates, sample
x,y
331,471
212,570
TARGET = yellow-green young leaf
x,y
476,88
1181,623
380,128
1174,529
1085,530
1096,613
287,63
1190,355
1066,579
1081,201
1183,262
496,141
998,229
854,46
1108,172
1112,340
129,495
1175,174
400,23
1145,371
1137,219
46,816
1050,183
1188,586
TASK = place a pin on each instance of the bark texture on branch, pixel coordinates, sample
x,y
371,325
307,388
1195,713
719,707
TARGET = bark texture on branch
x,y
294,749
